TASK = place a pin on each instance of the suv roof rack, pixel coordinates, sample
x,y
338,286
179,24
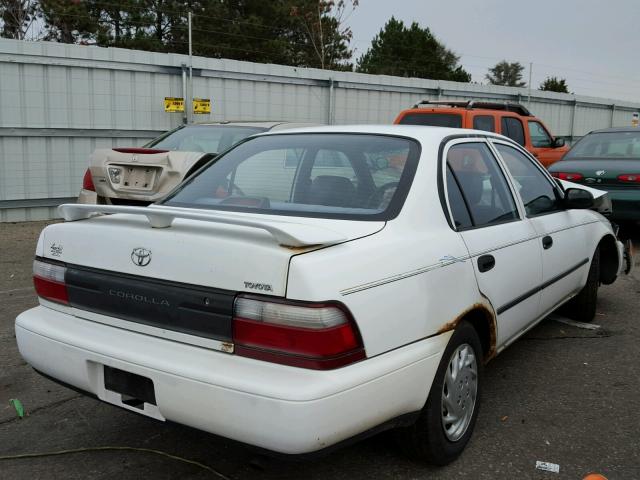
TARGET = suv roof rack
x,y
471,104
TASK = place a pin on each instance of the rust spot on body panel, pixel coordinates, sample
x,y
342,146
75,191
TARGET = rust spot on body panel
x,y
484,309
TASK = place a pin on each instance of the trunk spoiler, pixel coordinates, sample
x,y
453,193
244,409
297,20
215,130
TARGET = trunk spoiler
x,y
285,233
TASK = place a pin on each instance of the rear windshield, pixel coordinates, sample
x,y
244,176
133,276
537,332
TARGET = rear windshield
x,y
607,145
203,138
348,176
433,119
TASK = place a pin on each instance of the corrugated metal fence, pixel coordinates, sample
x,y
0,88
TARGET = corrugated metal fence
x,y
59,102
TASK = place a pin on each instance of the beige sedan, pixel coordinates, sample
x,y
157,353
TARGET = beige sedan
x,y
143,175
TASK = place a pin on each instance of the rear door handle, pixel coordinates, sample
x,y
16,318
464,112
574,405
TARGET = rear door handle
x,y
547,242
486,263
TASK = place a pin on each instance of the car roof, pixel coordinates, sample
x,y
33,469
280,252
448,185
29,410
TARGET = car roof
x,y
266,124
616,130
421,133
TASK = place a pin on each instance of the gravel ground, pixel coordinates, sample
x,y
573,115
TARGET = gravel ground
x,y
561,394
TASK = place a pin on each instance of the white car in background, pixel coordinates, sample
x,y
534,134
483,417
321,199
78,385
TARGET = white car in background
x,y
143,175
313,286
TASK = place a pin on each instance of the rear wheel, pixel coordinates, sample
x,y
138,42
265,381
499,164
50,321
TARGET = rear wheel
x,y
449,415
582,307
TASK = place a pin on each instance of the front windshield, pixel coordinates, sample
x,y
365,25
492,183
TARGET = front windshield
x,y
607,145
354,176
203,138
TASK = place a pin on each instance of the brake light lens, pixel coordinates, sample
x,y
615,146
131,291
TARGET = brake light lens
x,y
570,177
48,279
318,336
87,181
140,150
629,177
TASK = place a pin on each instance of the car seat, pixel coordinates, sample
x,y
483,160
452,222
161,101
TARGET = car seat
x,y
471,184
331,190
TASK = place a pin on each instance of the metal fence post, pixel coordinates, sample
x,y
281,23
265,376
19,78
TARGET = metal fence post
x,y
573,119
331,112
613,113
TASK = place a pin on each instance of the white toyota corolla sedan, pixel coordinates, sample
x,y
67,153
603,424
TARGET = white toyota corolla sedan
x,y
310,287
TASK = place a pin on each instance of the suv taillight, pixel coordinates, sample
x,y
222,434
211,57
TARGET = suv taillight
x,y
48,278
87,181
318,336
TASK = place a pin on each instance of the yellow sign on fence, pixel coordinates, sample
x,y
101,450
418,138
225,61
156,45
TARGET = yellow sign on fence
x,y
201,105
173,104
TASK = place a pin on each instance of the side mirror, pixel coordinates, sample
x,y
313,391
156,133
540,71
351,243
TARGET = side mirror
x,y
558,142
578,198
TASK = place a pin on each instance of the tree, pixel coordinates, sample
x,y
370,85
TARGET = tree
x,y
505,73
554,84
66,21
323,38
17,17
411,52
310,33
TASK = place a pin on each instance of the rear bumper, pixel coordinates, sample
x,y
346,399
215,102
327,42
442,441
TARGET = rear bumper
x,y
626,205
283,409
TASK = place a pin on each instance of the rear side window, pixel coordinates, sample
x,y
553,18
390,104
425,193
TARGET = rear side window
x,y
459,212
433,119
512,128
484,122
483,185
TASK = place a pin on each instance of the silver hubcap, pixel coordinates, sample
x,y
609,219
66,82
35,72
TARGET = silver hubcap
x,y
459,392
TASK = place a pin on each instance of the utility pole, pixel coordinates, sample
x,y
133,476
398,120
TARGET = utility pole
x,y
190,99
529,98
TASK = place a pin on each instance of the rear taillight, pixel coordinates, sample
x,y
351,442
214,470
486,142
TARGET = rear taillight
x,y
629,177
318,336
87,181
571,177
142,150
48,278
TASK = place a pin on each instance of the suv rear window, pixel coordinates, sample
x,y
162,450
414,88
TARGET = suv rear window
x,y
433,119
350,176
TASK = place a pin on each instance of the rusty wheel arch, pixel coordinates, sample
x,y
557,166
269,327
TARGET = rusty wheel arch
x,y
482,317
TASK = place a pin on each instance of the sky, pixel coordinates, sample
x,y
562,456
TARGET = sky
x,y
593,44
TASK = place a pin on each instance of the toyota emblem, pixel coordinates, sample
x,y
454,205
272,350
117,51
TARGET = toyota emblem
x,y
600,172
141,256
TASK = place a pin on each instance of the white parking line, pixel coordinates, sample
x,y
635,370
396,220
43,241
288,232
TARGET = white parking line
x,y
573,323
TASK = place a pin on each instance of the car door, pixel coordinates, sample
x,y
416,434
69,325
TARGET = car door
x,y
542,144
502,244
560,231
512,127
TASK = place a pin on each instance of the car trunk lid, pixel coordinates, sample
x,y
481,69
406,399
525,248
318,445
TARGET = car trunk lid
x,y
183,278
143,174
605,173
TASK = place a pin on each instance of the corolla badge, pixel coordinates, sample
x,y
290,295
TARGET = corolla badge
x,y
141,256
600,172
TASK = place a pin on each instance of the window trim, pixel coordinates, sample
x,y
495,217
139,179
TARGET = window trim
x,y
445,146
554,185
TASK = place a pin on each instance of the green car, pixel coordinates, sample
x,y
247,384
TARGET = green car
x,y
607,159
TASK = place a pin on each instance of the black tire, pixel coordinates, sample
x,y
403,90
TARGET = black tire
x,y
426,440
582,307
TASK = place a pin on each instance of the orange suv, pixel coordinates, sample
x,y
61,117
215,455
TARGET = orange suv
x,y
510,119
